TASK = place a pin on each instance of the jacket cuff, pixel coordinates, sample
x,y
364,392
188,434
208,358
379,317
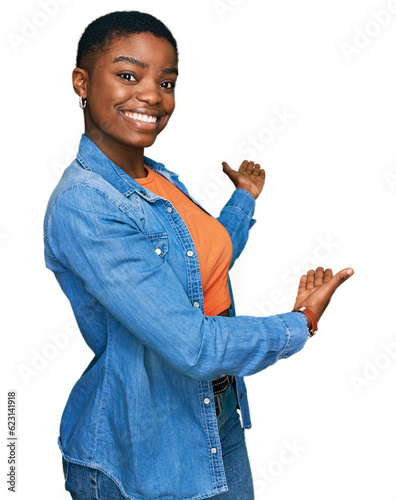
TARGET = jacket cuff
x,y
244,201
297,327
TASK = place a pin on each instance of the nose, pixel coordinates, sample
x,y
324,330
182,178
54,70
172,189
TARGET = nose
x,y
148,91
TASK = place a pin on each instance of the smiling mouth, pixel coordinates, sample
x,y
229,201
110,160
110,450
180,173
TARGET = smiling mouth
x,y
140,117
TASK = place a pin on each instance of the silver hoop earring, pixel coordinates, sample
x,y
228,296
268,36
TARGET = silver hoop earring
x,y
82,102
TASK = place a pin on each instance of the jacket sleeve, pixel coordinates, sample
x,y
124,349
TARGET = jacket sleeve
x,y
86,234
237,218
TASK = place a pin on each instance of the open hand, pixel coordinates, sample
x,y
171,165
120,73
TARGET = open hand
x,y
316,289
250,176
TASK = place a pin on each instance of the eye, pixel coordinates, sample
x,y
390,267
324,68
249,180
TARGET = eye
x,y
168,85
127,76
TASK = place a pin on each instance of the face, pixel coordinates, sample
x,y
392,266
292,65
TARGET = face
x,y
130,91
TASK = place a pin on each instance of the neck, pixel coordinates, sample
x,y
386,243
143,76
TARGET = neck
x,y
128,158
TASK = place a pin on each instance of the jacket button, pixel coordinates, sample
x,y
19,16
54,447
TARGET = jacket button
x,y
196,304
213,450
157,251
206,401
190,253
169,210
143,192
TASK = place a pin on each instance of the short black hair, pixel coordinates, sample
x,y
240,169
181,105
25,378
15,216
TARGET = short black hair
x,y
101,32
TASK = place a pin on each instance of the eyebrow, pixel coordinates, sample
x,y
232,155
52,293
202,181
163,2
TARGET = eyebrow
x,y
141,64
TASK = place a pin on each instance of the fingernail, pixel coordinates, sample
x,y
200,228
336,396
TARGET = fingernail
x,y
350,271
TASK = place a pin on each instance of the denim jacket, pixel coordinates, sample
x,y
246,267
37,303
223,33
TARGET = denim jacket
x,y
143,410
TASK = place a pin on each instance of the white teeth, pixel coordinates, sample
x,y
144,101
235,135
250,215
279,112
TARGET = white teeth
x,y
142,118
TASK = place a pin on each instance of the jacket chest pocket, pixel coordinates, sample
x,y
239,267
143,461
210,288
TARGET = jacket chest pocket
x,y
159,242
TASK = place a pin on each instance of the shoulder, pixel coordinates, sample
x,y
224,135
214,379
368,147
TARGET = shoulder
x,y
85,191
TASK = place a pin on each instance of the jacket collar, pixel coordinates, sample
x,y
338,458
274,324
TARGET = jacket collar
x,y
93,159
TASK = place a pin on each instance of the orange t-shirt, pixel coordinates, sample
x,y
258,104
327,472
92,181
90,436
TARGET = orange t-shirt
x,y
211,239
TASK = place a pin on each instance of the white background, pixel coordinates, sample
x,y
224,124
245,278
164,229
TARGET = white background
x,y
330,178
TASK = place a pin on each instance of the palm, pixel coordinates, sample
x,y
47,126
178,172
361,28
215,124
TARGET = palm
x,y
316,289
314,285
250,176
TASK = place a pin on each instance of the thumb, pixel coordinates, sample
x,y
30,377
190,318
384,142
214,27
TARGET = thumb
x,y
338,279
232,174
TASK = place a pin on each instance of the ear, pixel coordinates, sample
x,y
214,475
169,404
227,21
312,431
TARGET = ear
x,y
80,82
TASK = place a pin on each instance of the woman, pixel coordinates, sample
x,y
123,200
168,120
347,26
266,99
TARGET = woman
x,y
154,415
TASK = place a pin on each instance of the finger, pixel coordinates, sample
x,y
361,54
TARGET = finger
x,y
249,167
327,275
243,166
232,174
339,278
226,168
319,276
303,283
256,170
310,279
262,173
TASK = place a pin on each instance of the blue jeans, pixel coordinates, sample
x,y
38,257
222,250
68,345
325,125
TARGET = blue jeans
x,y
85,483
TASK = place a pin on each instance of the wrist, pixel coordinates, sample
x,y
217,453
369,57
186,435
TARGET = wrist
x,y
309,320
310,316
247,190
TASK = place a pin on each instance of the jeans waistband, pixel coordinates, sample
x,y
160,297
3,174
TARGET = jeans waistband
x,y
220,384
